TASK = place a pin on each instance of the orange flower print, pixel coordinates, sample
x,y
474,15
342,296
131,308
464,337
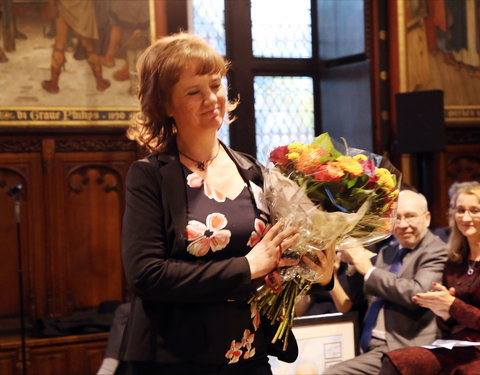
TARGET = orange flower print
x,y
207,236
195,181
235,352
211,193
248,338
261,229
249,353
255,315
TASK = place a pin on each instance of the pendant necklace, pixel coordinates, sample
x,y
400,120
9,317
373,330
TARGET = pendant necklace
x,y
202,164
470,270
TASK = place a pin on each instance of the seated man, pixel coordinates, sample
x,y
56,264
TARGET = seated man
x,y
406,266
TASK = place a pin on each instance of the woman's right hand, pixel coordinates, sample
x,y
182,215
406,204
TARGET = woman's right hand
x,y
265,256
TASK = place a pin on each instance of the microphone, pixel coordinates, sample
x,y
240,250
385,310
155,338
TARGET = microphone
x,y
15,190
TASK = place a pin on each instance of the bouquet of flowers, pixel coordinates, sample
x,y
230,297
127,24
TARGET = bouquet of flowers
x,y
334,198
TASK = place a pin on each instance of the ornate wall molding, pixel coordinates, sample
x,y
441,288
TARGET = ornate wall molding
x,y
20,146
94,145
463,136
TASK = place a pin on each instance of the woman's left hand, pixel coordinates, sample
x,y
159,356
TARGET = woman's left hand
x,y
324,269
439,300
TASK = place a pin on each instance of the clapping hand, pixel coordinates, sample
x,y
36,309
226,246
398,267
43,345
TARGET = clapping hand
x,y
439,299
355,254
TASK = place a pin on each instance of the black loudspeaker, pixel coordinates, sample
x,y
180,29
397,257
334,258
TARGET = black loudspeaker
x,y
420,122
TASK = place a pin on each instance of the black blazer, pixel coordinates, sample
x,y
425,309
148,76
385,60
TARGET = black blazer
x,y
153,238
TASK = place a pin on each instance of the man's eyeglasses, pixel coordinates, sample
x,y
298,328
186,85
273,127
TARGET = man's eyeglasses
x,y
410,218
474,212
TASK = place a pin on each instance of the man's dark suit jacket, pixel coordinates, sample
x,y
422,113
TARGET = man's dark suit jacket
x,y
406,323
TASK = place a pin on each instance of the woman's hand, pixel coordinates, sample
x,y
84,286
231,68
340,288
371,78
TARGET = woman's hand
x,y
439,300
265,256
324,270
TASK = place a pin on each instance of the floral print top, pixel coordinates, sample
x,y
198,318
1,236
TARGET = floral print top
x,y
220,228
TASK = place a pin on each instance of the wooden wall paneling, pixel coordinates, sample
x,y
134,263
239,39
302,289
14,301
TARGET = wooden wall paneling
x,y
462,163
89,211
22,169
8,362
438,204
50,360
72,355
93,356
50,198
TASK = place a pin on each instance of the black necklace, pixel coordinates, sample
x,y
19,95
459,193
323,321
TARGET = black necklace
x,y
202,164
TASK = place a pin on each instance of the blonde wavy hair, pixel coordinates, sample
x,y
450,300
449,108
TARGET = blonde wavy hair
x,y
159,68
457,246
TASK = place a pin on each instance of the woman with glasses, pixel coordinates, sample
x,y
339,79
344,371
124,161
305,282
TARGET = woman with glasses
x,y
456,303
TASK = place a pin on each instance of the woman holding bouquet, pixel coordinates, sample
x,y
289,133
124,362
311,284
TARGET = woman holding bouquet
x,y
195,236
456,303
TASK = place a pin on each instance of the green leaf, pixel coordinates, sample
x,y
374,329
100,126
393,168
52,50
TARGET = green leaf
x,y
325,142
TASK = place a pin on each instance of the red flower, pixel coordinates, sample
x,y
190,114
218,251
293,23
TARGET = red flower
x,y
329,172
369,169
279,155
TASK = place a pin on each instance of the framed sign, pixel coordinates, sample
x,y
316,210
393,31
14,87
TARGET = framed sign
x,y
437,43
323,340
72,62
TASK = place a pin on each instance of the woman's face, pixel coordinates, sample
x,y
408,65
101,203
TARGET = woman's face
x,y
197,101
467,215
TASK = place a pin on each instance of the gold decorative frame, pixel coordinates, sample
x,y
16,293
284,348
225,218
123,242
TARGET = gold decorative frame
x,y
428,71
23,102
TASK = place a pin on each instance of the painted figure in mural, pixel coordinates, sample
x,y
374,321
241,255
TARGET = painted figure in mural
x,y
3,57
78,15
442,39
129,33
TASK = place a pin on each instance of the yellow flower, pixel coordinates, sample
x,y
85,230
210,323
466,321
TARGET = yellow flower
x,y
350,165
296,147
293,155
360,157
385,179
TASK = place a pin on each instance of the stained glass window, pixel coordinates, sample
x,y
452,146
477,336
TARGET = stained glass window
x,y
283,112
281,28
208,21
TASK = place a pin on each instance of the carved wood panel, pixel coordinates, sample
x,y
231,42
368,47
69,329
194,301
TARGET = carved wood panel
x,y
24,235
89,208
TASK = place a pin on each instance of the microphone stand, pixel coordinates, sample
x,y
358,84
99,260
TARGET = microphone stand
x,y
15,192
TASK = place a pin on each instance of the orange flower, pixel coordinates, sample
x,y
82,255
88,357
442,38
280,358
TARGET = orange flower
x,y
308,160
329,172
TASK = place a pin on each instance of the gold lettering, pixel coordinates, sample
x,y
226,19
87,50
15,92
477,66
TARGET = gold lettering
x,y
45,115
